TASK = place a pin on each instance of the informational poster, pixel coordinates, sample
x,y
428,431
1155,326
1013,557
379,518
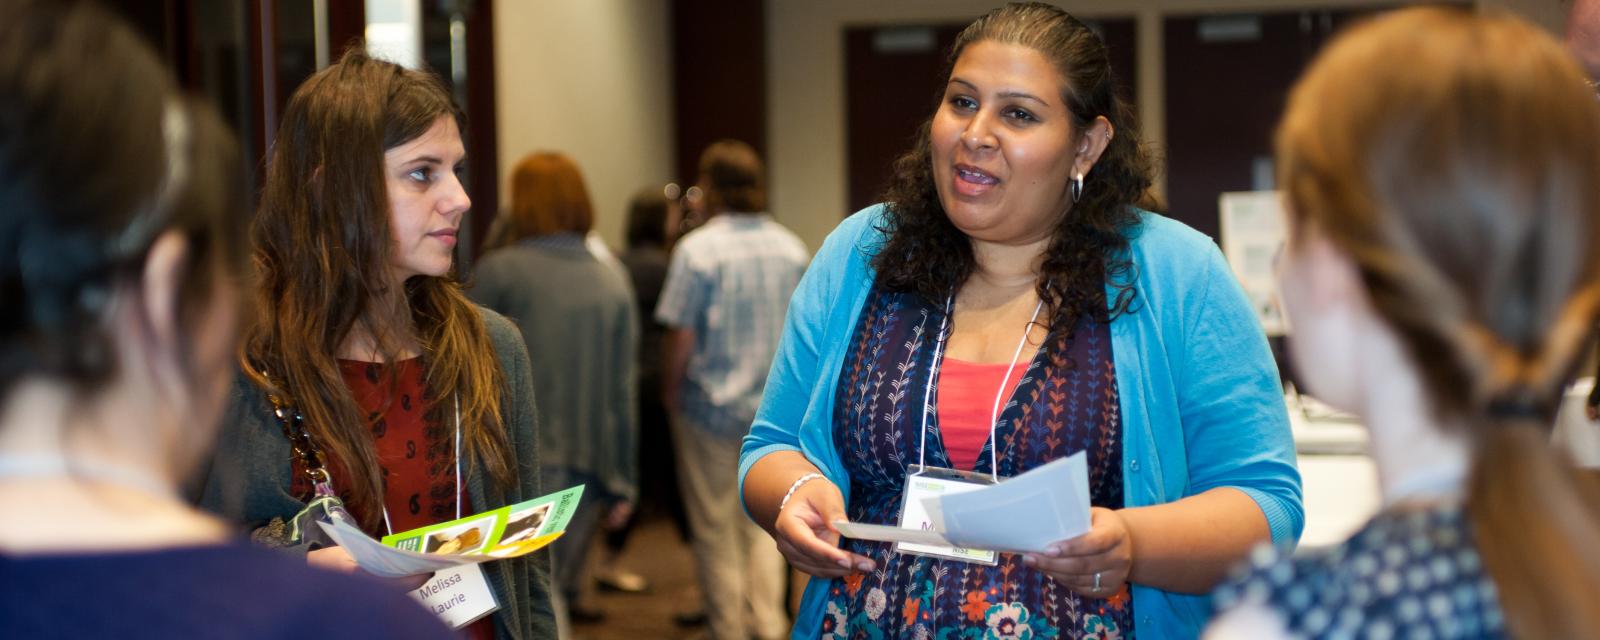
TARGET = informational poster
x,y
1252,235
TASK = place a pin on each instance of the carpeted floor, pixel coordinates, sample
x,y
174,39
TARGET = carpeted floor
x,y
655,552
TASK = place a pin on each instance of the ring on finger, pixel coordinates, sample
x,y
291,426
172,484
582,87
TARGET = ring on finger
x,y
1096,586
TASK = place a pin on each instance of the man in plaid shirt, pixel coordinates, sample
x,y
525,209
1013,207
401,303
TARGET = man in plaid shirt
x,y
727,290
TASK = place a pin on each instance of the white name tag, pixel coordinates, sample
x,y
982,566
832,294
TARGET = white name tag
x,y
913,515
458,595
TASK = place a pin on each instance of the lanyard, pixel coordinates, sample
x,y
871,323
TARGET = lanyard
x,y
999,394
459,492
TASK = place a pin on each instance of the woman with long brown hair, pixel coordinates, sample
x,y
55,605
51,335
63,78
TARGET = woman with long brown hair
x,y
1442,279
413,404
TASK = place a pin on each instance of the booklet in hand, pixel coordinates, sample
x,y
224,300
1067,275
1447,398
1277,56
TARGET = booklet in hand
x,y
1025,513
507,532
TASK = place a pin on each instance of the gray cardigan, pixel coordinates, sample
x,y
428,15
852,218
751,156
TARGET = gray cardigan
x,y
247,482
577,316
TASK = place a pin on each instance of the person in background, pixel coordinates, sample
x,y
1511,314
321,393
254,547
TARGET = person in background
x,y
410,402
121,250
1011,261
723,303
577,316
1442,280
645,260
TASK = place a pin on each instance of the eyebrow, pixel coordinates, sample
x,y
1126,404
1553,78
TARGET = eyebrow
x,y
1005,94
430,160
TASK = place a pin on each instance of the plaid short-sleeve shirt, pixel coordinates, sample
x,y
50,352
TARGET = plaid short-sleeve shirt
x,y
729,282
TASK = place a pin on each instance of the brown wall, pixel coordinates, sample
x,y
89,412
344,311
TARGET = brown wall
x,y
719,77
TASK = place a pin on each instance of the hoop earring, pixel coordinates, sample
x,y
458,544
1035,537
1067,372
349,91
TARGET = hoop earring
x,y
1077,188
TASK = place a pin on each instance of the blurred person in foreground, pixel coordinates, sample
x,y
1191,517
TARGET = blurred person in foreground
x,y
121,246
728,285
1011,261
1442,280
577,316
1583,40
409,402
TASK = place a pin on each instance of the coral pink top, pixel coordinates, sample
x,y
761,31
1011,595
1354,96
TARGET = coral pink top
x,y
965,405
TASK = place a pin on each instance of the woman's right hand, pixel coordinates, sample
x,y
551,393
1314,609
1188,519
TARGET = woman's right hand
x,y
334,559
805,533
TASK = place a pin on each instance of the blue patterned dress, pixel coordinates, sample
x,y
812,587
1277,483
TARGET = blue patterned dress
x,y
1067,402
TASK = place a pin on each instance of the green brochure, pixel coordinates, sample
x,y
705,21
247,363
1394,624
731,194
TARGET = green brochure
x,y
506,532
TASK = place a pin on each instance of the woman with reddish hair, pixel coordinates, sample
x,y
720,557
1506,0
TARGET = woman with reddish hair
x,y
576,312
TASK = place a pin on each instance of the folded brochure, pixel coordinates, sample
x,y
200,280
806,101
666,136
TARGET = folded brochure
x,y
507,532
1024,513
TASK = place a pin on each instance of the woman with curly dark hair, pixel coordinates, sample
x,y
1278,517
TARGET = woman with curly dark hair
x,y
1010,261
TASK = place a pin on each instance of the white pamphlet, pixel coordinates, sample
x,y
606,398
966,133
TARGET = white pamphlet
x,y
1025,513
886,533
388,562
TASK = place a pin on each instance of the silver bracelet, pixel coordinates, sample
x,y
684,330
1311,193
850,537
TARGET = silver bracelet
x,y
803,479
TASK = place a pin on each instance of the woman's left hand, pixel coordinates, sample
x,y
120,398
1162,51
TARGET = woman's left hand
x,y
1106,549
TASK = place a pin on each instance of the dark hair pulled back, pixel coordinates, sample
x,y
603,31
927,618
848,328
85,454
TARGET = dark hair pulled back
x,y
99,155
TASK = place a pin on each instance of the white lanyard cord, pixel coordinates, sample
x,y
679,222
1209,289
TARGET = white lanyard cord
x,y
457,399
999,394
927,394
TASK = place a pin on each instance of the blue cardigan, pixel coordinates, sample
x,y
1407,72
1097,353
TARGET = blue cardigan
x,y
1201,403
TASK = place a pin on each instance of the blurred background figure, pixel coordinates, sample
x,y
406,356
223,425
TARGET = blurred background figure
x,y
578,318
727,289
645,260
1442,279
121,247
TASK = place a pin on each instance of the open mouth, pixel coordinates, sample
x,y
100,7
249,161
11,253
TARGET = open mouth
x,y
972,181
975,175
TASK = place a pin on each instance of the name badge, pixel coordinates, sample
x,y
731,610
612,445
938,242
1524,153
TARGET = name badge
x,y
928,483
459,595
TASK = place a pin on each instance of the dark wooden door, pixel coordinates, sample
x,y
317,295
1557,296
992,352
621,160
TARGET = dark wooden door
x,y
1227,77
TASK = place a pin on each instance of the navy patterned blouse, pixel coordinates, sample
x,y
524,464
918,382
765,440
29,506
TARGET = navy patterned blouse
x,y
1409,573
1067,402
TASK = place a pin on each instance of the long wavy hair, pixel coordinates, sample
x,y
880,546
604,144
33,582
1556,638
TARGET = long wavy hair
x,y
1088,251
1462,184
323,251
